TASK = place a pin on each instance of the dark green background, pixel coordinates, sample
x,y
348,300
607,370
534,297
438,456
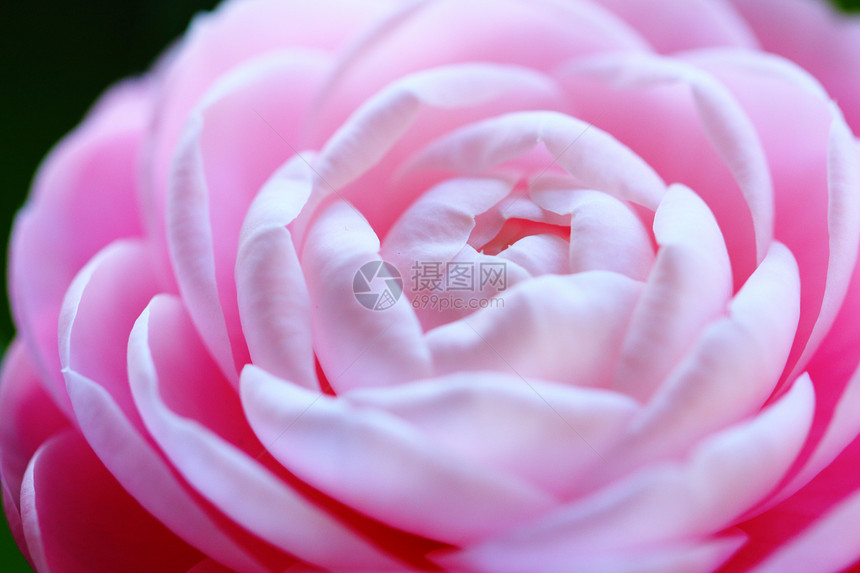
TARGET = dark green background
x,y
56,59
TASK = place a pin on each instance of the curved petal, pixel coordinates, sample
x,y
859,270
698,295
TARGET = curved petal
x,y
593,156
215,44
690,557
839,431
830,545
810,149
358,161
605,234
273,298
245,490
377,464
211,185
356,346
723,120
689,286
28,417
672,26
540,255
562,328
65,483
91,172
13,520
726,474
98,313
544,433
495,31
731,371
817,37
438,225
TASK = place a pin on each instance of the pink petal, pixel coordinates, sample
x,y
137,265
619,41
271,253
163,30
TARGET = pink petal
x,y
563,328
273,299
78,519
436,229
356,346
359,160
241,487
690,557
593,156
13,520
817,37
211,186
777,526
540,255
830,545
99,312
237,33
723,120
541,432
28,417
731,371
837,434
496,31
810,149
666,503
672,26
92,171
377,464
438,225
688,287
605,234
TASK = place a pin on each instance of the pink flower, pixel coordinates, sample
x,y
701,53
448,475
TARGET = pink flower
x,y
622,339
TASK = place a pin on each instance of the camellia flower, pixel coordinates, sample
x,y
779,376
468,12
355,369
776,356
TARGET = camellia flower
x,y
463,285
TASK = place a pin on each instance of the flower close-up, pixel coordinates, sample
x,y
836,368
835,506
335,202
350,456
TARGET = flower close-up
x,y
449,285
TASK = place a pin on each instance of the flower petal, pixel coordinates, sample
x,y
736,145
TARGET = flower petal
x,y
731,371
356,346
691,557
98,314
273,299
66,484
91,172
562,328
28,417
810,149
376,463
672,26
211,186
605,234
544,433
667,503
593,156
830,545
689,286
244,489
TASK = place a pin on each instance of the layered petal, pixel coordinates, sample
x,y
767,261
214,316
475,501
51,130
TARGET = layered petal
x,y
725,475
565,328
376,463
243,489
356,346
66,483
91,172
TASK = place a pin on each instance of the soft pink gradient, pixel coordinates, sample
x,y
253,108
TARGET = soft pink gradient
x,y
674,187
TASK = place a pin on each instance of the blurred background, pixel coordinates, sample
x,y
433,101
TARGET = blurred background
x,y
56,60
